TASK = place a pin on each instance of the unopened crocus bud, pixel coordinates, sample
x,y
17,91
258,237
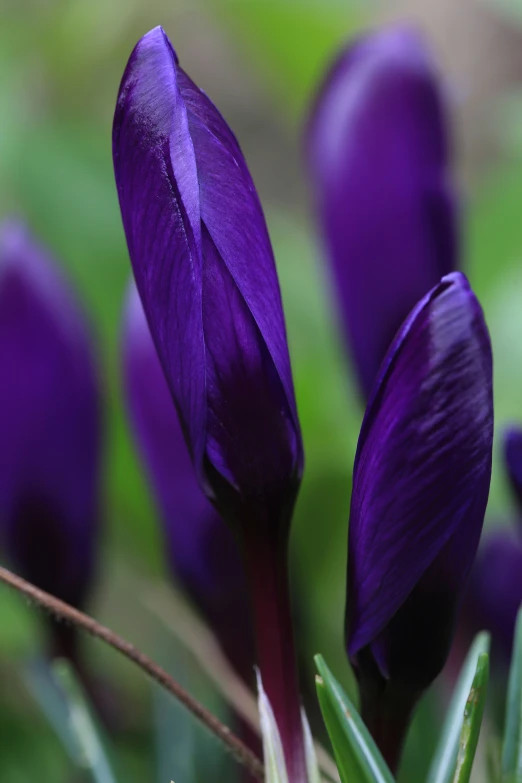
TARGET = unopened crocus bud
x,y
205,272
49,426
201,549
513,462
206,276
377,153
420,487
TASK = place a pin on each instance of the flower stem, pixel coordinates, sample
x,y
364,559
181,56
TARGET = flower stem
x,y
388,721
268,571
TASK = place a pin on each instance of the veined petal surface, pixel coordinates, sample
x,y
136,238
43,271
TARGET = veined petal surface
x,y
423,463
206,275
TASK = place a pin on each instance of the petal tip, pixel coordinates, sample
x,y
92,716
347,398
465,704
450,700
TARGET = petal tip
x,y
158,37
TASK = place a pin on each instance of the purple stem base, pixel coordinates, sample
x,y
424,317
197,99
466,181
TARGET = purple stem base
x,y
388,720
268,570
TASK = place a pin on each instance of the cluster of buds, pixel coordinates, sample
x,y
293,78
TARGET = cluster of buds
x,y
206,277
209,386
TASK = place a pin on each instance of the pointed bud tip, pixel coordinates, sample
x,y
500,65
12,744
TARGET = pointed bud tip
x,y
158,37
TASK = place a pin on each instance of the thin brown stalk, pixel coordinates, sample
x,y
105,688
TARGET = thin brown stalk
x,y
86,623
171,608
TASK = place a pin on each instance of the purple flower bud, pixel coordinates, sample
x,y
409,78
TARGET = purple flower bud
x,y
206,276
201,549
420,488
494,593
513,462
378,158
50,417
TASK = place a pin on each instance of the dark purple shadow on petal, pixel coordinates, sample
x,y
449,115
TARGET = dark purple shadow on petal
x,y
251,439
414,646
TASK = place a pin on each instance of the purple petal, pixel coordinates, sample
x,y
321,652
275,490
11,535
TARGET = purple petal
x,y
206,276
423,465
50,417
414,645
378,157
200,547
513,461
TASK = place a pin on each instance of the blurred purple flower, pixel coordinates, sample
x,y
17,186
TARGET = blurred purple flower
x,y
206,276
420,488
378,158
513,462
50,419
494,594
202,552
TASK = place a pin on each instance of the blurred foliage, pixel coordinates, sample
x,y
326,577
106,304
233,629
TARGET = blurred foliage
x,y
60,65
511,8
291,49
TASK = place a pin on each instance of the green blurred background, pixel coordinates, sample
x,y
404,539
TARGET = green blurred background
x,y
260,61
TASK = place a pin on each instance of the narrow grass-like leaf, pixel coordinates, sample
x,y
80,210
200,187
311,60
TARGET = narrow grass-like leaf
x,y
275,767
512,746
445,758
174,738
357,756
312,766
57,692
41,683
345,757
472,721
91,753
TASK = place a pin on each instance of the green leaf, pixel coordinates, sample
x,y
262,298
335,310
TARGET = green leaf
x,y
56,689
345,759
356,754
443,764
301,39
174,738
186,751
512,746
312,766
275,767
39,680
511,9
472,721
91,753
